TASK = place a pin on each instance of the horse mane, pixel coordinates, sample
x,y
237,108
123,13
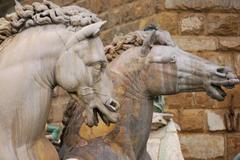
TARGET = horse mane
x,y
135,39
42,14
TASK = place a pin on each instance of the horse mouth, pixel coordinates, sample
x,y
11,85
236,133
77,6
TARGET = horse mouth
x,y
217,93
215,90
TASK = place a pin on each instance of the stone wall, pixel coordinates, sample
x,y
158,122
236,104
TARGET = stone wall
x,y
208,28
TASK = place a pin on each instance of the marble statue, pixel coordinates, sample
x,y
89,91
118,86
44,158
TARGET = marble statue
x,y
41,46
146,64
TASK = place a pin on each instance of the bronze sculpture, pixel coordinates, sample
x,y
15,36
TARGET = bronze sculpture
x,y
42,46
150,64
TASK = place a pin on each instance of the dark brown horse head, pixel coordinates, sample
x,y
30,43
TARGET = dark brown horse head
x,y
171,70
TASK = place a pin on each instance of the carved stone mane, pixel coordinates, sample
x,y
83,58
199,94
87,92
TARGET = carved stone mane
x,y
135,39
42,14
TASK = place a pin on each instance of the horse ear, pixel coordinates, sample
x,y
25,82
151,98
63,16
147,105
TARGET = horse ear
x,y
148,43
17,3
91,30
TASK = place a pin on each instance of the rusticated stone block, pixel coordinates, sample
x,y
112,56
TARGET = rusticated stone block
x,y
191,23
229,5
202,100
168,21
142,8
233,145
83,3
235,97
130,12
115,16
116,3
223,24
67,2
220,58
165,20
182,100
192,120
227,101
202,146
98,6
108,35
215,120
229,43
196,43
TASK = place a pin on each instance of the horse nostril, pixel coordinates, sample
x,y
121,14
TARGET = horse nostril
x,y
112,105
221,70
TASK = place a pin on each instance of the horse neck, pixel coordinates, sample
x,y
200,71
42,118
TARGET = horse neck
x,y
136,104
38,48
126,72
129,87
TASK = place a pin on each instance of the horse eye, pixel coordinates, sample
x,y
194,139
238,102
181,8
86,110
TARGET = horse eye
x,y
98,66
104,65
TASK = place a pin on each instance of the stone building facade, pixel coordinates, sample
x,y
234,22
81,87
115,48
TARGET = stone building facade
x,y
207,28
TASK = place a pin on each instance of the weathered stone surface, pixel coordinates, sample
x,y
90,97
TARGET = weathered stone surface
x,y
168,21
227,101
130,12
230,5
235,97
153,146
192,23
142,8
236,63
108,35
83,3
233,145
192,120
158,134
223,24
215,120
165,20
202,100
202,146
196,43
182,100
58,107
98,6
58,92
175,113
220,58
67,2
229,43
116,3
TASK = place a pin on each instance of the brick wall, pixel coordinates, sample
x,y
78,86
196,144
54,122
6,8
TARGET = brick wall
x,y
207,28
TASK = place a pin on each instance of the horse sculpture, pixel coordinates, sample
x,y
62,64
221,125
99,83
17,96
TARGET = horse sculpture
x,y
150,64
42,46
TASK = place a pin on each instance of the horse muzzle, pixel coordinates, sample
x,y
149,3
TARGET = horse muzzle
x,y
223,77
